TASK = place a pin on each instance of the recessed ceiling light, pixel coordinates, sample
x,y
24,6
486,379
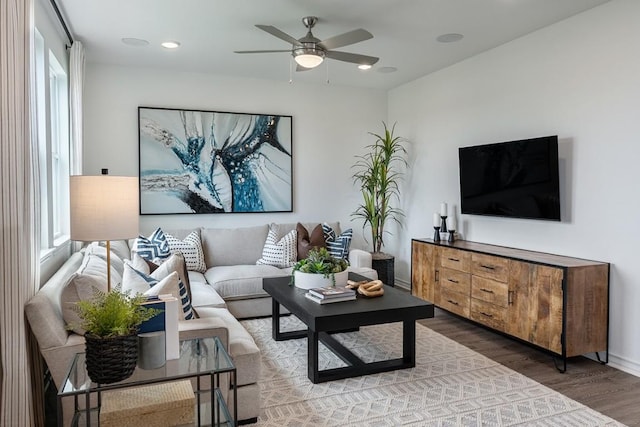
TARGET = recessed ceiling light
x,y
131,41
387,70
170,45
450,38
364,66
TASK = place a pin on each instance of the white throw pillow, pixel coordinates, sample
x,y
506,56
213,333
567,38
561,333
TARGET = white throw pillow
x,y
279,253
139,282
191,250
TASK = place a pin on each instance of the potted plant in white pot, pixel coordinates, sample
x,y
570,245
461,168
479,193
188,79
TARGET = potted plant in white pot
x,y
378,173
111,321
319,270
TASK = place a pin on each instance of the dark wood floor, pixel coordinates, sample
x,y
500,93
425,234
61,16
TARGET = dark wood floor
x,y
600,387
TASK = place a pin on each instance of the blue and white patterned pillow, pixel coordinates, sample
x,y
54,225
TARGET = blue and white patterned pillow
x,y
153,248
279,253
133,279
338,246
191,250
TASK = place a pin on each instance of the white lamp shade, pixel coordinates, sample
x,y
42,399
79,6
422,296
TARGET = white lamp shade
x,y
104,207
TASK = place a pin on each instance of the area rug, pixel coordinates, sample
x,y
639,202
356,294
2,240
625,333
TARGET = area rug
x,y
451,385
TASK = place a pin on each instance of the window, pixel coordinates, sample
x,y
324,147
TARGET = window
x,y
52,117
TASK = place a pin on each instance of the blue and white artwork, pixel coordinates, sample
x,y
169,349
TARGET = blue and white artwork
x,y
214,162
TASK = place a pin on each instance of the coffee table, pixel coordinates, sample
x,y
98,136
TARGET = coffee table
x,y
394,306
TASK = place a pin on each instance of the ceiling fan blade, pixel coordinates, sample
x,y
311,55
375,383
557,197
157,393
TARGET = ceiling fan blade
x,y
279,34
261,51
345,39
351,57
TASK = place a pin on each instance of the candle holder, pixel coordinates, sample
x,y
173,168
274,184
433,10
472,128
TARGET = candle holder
x,y
452,237
443,227
436,234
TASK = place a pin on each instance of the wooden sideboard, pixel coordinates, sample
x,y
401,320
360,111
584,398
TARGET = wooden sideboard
x,y
558,303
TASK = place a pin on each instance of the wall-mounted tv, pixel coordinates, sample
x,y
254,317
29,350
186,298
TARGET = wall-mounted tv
x,y
511,179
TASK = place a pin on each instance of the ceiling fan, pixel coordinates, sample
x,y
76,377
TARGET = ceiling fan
x,y
309,52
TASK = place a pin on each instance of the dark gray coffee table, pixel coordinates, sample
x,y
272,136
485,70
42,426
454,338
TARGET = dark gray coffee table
x,y
394,306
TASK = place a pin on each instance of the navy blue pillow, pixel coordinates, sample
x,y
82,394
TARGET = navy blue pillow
x,y
338,246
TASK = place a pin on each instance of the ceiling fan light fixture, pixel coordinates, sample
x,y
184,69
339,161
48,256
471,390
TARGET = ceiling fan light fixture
x,y
308,58
364,66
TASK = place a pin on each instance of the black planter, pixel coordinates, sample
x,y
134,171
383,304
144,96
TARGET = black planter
x,y
110,360
384,265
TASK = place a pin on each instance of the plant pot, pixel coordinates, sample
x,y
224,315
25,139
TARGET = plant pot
x,y
315,280
383,264
112,359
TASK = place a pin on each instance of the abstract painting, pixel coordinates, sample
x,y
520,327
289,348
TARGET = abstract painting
x,y
214,162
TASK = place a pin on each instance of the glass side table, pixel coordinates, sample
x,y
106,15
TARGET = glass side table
x,y
200,358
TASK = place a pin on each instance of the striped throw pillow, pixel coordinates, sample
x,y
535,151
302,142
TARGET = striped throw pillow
x,y
191,250
338,246
153,248
149,285
279,253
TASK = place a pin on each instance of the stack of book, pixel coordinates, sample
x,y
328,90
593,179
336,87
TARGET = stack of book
x,y
331,294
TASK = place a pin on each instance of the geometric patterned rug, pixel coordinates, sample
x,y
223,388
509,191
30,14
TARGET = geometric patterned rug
x,y
450,385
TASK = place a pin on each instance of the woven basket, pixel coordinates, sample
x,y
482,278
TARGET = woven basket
x,y
110,360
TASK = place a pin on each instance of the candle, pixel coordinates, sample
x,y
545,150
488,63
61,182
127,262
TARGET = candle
x,y
451,223
436,219
443,209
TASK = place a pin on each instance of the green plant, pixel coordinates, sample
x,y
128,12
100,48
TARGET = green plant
x,y
110,314
319,261
377,174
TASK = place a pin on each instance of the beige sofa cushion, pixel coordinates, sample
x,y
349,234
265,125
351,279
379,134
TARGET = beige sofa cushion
x,y
44,310
242,348
241,281
237,246
203,295
79,287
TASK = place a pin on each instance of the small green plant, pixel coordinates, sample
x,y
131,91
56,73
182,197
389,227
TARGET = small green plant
x,y
111,314
320,261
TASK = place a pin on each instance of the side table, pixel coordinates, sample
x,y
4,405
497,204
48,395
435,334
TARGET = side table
x,y
200,358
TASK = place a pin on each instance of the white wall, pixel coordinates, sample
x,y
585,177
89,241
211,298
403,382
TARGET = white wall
x,y
330,125
579,79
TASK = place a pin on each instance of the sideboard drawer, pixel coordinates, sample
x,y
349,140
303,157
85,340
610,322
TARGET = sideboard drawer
x,y
488,314
455,302
456,259
490,267
455,280
490,291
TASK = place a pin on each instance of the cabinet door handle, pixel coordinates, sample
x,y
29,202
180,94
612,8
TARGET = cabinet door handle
x,y
453,302
437,277
510,297
488,267
452,281
486,314
489,291
454,259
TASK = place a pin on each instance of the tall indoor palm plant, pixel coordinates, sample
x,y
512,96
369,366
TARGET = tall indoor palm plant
x,y
377,173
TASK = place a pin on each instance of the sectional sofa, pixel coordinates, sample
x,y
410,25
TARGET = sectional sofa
x,y
228,288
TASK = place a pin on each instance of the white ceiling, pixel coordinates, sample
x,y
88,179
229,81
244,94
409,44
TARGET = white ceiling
x,y
404,31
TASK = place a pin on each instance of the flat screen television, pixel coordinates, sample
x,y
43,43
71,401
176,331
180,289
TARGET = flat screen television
x,y
516,179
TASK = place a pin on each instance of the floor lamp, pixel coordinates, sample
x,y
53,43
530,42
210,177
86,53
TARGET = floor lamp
x,y
105,208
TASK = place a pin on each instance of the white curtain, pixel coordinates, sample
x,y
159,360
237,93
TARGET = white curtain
x,y
76,89
19,212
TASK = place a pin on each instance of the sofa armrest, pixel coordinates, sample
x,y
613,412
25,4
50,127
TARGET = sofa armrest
x,y
359,258
204,327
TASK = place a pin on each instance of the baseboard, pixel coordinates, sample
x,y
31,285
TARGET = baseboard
x,y
625,365
402,284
